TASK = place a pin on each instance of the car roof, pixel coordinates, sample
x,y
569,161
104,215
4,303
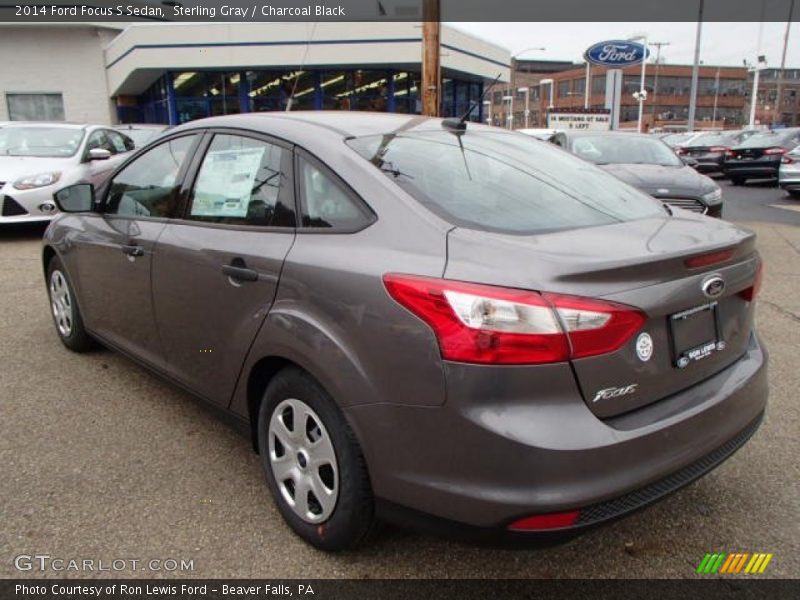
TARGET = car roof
x,y
129,126
342,124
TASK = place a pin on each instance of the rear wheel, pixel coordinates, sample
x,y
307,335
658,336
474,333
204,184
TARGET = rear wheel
x,y
313,463
738,180
66,314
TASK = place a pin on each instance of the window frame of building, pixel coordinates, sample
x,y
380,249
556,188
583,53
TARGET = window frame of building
x,y
46,115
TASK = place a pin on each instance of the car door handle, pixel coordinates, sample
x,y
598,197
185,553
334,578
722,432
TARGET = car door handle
x,y
133,250
240,273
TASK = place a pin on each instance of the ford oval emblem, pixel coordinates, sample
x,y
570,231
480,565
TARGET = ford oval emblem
x,y
616,53
713,286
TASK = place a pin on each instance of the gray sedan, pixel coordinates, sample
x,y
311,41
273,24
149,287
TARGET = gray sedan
x,y
421,320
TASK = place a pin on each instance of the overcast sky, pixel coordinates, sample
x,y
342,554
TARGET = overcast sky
x,y
722,43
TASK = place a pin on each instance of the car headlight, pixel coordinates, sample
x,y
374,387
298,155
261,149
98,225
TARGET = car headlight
x,y
713,197
36,181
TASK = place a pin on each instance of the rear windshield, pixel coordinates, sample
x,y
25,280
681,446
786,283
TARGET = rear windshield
x,y
713,139
503,182
767,139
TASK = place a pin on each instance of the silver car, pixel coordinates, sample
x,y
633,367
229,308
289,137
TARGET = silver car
x,y
789,172
36,159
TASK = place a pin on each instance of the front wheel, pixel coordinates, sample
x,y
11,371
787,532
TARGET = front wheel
x,y
313,463
66,314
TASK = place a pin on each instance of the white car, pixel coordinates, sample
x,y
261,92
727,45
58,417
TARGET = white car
x,y
38,159
789,173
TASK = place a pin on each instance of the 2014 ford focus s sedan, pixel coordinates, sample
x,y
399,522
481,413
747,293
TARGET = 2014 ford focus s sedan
x,y
421,320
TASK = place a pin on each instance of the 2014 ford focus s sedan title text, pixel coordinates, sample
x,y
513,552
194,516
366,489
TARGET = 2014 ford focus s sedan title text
x,y
417,319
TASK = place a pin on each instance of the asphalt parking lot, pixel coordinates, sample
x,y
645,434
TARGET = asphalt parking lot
x,y
99,459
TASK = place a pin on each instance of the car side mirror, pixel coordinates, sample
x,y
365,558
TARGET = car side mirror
x,y
99,154
689,161
75,198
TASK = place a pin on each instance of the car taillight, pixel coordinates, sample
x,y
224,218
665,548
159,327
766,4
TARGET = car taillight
x,y
730,153
680,150
750,293
774,151
719,149
787,160
486,324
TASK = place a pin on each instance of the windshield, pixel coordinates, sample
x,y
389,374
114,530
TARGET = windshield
x,y
624,149
504,182
44,142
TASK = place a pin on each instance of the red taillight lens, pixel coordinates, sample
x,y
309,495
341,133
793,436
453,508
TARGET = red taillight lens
x,y
551,521
787,160
594,326
705,260
679,150
774,151
719,149
485,324
750,293
730,153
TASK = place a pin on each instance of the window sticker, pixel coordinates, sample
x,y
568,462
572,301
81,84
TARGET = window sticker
x,y
226,182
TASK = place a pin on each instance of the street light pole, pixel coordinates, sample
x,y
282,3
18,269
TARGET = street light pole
x,y
642,92
778,100
587,84
527,93
695,69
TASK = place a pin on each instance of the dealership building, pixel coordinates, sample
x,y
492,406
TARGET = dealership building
x,y
175,72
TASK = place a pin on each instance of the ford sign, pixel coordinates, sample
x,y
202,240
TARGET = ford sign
x,y
616,53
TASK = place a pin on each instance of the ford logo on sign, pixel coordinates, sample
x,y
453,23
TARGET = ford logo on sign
x,y
616,53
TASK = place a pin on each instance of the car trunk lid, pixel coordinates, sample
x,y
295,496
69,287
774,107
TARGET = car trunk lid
x,y
642,264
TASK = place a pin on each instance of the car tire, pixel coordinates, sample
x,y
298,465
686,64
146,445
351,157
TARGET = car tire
x,y
64,308
794,194
738,180
294,455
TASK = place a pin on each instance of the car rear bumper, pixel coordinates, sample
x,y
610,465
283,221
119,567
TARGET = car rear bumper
x,y
751,169
495,453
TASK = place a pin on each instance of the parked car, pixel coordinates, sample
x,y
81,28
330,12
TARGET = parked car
x,y
789,172
36,159
759,156
709,149
412,316
650,165
142,133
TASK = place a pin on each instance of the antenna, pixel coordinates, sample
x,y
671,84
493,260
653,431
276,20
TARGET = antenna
x,y
461,124
302,67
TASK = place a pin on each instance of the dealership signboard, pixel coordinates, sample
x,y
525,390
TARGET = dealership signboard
x,y
585,119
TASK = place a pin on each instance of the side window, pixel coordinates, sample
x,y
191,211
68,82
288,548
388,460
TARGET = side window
x,y
119,143
98,140
326,203
148,186
243,181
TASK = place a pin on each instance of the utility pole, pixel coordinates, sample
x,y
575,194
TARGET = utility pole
x,y
756,65
658,46
695,69
431,65
777,113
